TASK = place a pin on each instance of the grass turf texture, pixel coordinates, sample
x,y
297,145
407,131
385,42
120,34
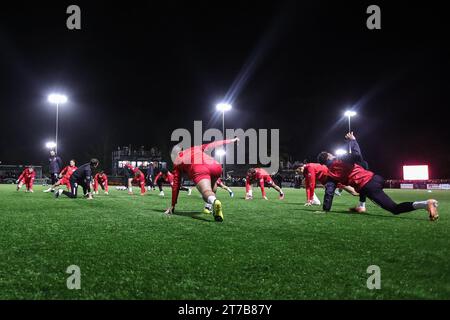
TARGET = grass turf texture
x,y
128,249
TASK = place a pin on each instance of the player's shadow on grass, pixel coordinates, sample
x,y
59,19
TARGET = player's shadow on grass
x,y
372,215
194,215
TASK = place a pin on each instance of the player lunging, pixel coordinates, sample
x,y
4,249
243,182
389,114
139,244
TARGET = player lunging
x,y
261,176
81,177
64,177
26,178
313,172
346,170
203,170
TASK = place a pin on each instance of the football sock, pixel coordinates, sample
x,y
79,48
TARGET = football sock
x,y
420,204
362,204
211,199
208,206
130,189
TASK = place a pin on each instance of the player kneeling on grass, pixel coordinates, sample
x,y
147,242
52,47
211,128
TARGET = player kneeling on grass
x,y
262,176
345,169
316,171
26,178
101,179
203,170
166,176
81,177
64,177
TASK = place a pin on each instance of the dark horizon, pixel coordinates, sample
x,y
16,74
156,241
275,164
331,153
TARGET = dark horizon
x,y
135,73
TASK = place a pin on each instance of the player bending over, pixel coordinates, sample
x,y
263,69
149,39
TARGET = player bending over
x,y
81,177
101,179
260,175
64,177
346,170
203,170
26,178
166,176
313,172
134,175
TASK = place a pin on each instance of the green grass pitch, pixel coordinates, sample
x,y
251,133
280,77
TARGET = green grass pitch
x,y
127,248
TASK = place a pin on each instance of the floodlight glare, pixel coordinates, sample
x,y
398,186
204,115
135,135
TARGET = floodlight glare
x,y
350,113
220,152
340,152
57,98
50,145
223,107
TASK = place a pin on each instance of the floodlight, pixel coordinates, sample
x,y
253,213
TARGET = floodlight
x,y
57,98
223,107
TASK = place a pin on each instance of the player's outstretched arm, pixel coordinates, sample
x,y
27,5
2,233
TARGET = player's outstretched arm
x,y
355,154
214,144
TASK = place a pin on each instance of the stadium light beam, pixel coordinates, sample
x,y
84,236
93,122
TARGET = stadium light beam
x,y
223,107
56,98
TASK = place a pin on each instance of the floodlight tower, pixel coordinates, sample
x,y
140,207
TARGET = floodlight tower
x,y
349,114
223,107
56,98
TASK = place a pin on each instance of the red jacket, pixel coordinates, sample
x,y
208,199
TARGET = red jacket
x,y
349,174
27,175
68,171
311,172
101,178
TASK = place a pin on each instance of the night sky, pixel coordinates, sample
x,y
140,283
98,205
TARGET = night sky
x,y
138,70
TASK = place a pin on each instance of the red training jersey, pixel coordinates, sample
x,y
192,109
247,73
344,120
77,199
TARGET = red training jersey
x,y
349,174
67,172
313,172
101,178
27,174
261,176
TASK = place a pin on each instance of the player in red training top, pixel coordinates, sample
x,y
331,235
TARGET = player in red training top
x,y
261,176
26,178
101,179
313,172
64,177
346,170
134,175
166,176
203,170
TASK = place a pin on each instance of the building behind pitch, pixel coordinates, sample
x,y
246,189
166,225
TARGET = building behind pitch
x,y
137,157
